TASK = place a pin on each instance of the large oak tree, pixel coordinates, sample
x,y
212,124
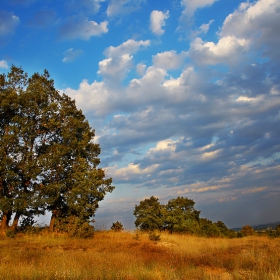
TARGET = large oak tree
x,y
48,160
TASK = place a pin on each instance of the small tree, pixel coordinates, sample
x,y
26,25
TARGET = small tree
x,y
181,216
117,226
149,214
247,230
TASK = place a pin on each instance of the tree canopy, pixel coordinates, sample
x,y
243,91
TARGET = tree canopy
x,y
48,160
149,214
178,215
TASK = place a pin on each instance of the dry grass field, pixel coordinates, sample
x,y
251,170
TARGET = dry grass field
x,y
131,255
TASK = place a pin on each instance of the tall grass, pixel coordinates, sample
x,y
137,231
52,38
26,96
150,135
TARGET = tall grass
x,y
127,255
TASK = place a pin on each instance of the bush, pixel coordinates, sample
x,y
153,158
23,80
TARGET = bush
x,y
74,227
117,226
247,230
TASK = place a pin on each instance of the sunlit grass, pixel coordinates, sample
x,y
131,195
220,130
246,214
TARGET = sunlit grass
x,y
126,255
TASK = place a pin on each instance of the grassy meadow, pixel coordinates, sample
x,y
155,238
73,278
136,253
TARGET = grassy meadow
x,y
132,255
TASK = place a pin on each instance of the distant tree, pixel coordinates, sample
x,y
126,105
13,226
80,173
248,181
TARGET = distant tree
x,y
181,216
47,158
222,228
178,215
247,230
208,229
117,226
149,214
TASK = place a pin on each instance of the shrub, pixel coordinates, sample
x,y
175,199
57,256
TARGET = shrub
x,y
247,230
74,227
117,226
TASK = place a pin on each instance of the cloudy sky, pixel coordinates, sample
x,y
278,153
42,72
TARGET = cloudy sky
x,y
184,95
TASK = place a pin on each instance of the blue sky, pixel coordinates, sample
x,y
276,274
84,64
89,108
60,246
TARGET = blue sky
x,y
184,95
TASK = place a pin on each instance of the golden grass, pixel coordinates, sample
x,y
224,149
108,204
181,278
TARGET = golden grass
x,y
127,255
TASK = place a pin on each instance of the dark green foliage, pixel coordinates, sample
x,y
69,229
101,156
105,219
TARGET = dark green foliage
x,y
208,229
117,226
180,215
149,214
47,158
74,226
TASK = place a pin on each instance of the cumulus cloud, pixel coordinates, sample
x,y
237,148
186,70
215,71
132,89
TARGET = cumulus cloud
x,y
4,64
117,7
252,27
119,60
257,21
71,54
227,50
190,6
208,133
93,97
169,60
157,21
80,27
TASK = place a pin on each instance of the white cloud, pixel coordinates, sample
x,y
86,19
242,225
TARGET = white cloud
x,y
258,21
93,97
71,54
114,70
4,64
128,47
157,21
80,27
228,50
169,59
119,61
250,99
190,6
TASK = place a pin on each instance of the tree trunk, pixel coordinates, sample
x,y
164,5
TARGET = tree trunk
x,y
15,222
6,219
54,212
